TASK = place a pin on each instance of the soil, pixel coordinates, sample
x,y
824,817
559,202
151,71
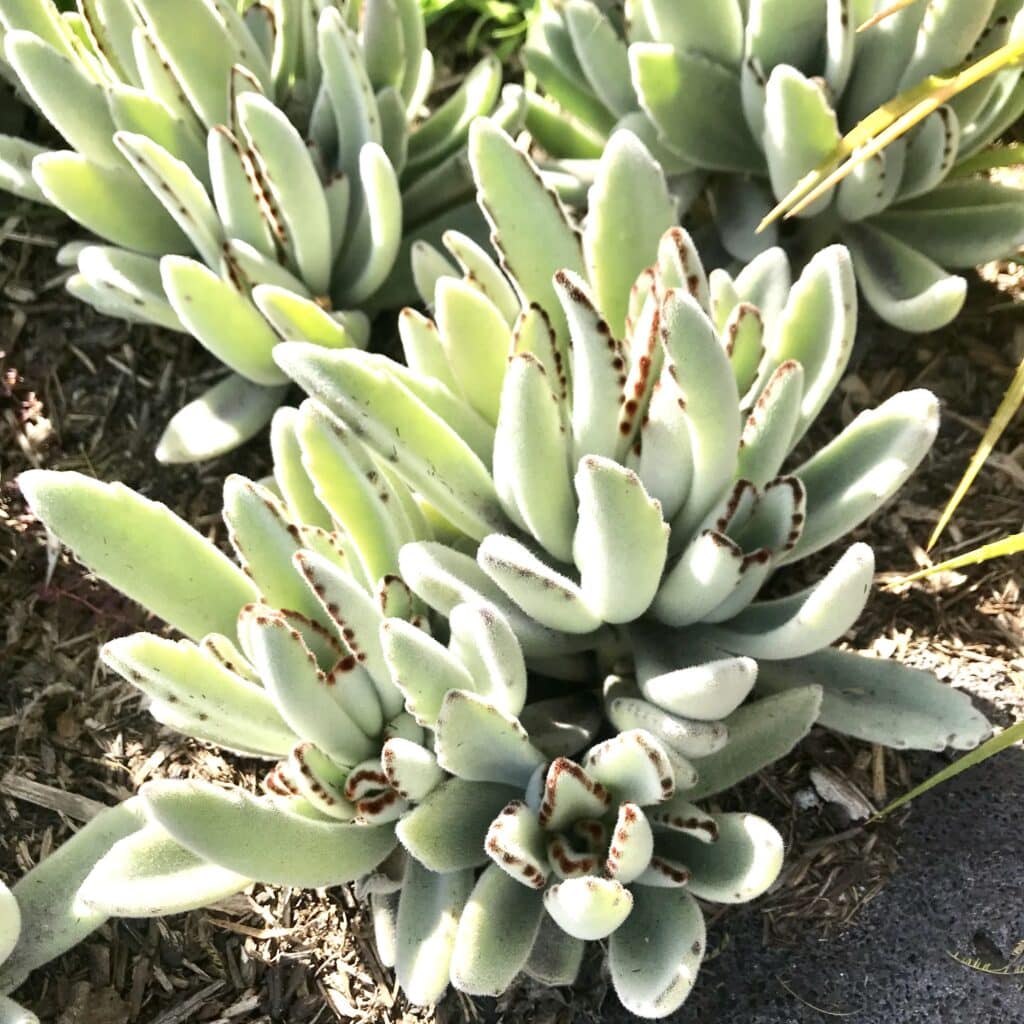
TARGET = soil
x,y
859,924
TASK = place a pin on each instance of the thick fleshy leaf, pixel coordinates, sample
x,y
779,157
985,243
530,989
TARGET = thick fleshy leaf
x,y
115,531
483,641
588,908
686,737
655,954
10,922
542,592
632,844
903,286
428,916
632,766
882,701
771,426
219,824
620,534
476,740
742,862
422,669
602,56
695,102
147,874
516,844
791,627
760,733
703,576
931,152
495,934
630,209
446,831
568,793
180,672
411,769
556,957
320,781
863,467
531,457
422,449
53,918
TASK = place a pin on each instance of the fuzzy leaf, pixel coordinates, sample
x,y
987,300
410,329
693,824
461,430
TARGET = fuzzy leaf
x,y
516,844
632,766
218,825
588,908
483,641
555,958
115,531
882,701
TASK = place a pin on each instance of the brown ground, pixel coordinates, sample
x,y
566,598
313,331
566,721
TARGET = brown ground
x,y
78,391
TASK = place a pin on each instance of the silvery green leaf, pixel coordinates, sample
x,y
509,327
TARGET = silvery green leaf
x,y
948,32
320,781
1002,109
16,156
422,669
631,846
870,187
423,450
533,335
533,241
265,538
931,151
882,701
555,958
632,766
384,912
114,531
841,24
218,421
903,286
765,282
543,593
714,30
688,676
517,845
679,815
147,874
560,134
479,267
53,918
800,131
702,370
302,691
565,793
446,831
356,618
702,577
428,916
383,43
180,672
620,534
695,102
41,19
218,825
349,483
655,954
723,298
630,209
823,300
10,922
664,465
221,319
475,740
601,53
49,77
771,425
476,340
429,265
739,206
742,862
531,457
588,908
791,627
12,1013
290,475
562,726
960,223
496,933
760,733
877,452
483,641
743,332
679,266
685,737
411,769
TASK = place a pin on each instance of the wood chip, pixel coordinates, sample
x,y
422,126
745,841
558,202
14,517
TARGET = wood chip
x,y
80,808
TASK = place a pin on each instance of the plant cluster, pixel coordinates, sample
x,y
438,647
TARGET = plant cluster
x,y
741,100
507,613
252,170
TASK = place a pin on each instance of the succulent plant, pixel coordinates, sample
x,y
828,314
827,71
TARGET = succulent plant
x,y
251,169
10,928
405,763
633,499
744,99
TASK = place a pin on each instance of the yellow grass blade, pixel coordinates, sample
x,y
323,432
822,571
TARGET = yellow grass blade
x,y
1007,408
1005,739
885,124
1011,545
883,14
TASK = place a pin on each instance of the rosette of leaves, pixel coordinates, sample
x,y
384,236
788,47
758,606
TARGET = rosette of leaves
x,y
754,96
637,487
251,168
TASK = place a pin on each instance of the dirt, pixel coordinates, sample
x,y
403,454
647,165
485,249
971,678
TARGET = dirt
x,y
78,391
